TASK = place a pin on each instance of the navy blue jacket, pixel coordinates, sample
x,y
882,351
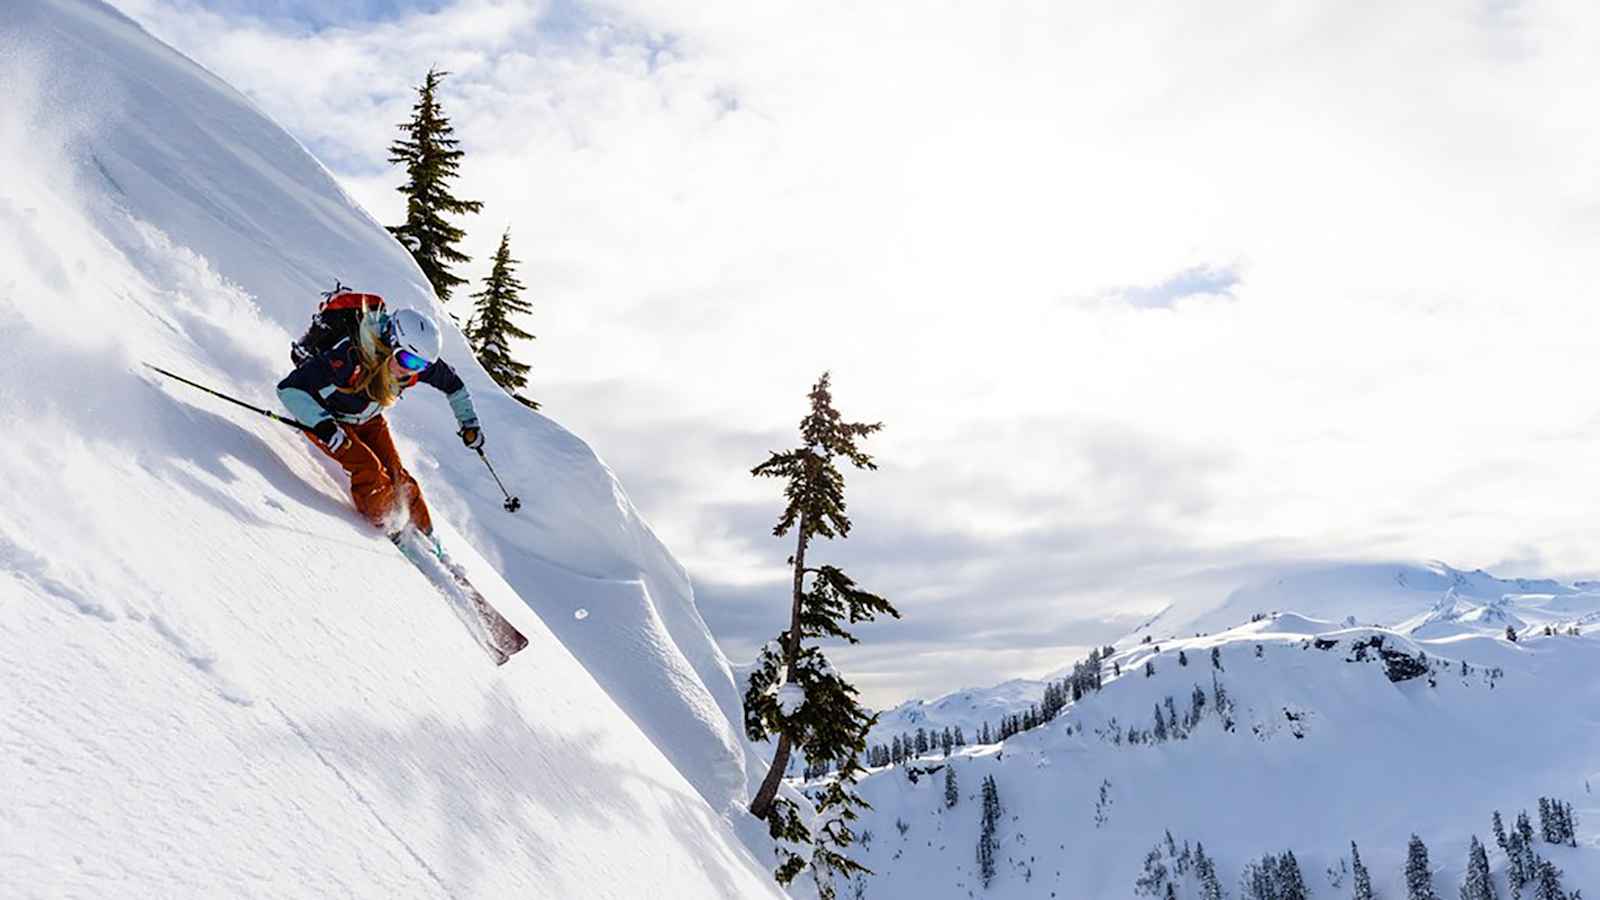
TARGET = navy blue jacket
x,y
319,389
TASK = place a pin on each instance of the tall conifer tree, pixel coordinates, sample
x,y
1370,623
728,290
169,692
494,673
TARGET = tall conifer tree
x,y
1362,880
1419,875
491,330
432,158
1478,885
829,724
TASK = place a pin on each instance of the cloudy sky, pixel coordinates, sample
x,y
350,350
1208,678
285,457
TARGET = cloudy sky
x,y
1150,296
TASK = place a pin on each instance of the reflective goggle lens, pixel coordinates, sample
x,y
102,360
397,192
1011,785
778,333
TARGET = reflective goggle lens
x,y
410,361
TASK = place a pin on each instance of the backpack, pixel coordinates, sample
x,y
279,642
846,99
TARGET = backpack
x,y
337,317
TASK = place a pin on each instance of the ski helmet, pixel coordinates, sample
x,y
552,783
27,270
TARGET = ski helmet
x,y
414,332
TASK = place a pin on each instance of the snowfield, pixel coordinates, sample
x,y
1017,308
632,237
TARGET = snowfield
x,y
1323,749
216,679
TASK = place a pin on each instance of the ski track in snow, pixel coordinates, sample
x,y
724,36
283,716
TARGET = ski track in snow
x,y
361,798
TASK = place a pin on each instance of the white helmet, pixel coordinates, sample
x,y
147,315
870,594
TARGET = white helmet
x,y
412,331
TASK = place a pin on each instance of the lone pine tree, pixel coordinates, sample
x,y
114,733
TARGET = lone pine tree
x,y
432,158
828,723
490,331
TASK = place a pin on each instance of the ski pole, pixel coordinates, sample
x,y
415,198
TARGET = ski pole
x,y
265,412
512,503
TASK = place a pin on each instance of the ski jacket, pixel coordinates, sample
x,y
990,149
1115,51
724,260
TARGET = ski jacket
x,y
321,389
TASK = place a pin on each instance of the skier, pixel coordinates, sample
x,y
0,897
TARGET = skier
x,y
340,394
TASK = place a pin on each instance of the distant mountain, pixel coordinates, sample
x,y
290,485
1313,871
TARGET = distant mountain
x,y
1306,733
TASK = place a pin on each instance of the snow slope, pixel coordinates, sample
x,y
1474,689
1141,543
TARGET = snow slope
x,y
217,680
1324,748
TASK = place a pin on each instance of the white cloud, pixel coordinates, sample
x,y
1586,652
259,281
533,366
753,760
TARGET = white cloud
x,y
946,206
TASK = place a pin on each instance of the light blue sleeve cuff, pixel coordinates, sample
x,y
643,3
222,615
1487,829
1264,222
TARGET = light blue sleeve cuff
x,y
305,409
461,405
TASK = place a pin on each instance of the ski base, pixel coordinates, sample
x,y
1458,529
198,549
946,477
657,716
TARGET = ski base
x,y
498,637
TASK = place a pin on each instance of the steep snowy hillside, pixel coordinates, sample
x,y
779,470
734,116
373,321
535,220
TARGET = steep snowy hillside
x,y
217,680
1325,734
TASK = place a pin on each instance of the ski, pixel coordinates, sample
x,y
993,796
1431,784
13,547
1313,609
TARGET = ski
x,y
498,636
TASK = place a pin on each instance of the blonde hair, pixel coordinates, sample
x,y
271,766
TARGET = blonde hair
x,y
377,380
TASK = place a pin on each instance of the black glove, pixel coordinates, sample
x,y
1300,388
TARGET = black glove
x,y
331,435
472,436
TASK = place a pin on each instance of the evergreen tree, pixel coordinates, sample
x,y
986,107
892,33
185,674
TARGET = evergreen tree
x,y
491,331
1216,658
1197,706
1206,871
1547,882
1419,876
961,739
1519,867
1291,884
1152,881
432,158
952,796
1511,634
1161,725
1149,667
986,833
1525,828
1183,658
1478,885
1569,824
830,724
1500,833
1359,876
1547,823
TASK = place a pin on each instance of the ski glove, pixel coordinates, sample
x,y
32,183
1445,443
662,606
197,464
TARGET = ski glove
x,y
472,436
331,435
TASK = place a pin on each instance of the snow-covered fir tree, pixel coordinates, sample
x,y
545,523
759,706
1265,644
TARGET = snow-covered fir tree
x,y
431,155
1499,829
1419,875
1519,863
1360,878
794,693
952,794
1291,884
1152,881
490,331
1478,884
1547,882
986,832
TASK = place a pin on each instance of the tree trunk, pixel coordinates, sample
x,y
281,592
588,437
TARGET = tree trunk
x,y
762,804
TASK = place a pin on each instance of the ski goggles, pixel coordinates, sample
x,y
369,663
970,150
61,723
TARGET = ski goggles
x,y
409,361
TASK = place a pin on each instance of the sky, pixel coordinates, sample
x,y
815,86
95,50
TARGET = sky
x,y
1151,297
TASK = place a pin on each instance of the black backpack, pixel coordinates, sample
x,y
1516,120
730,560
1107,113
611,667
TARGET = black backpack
x,y
338,317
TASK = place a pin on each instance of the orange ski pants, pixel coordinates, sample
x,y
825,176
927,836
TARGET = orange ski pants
x,y
378,480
